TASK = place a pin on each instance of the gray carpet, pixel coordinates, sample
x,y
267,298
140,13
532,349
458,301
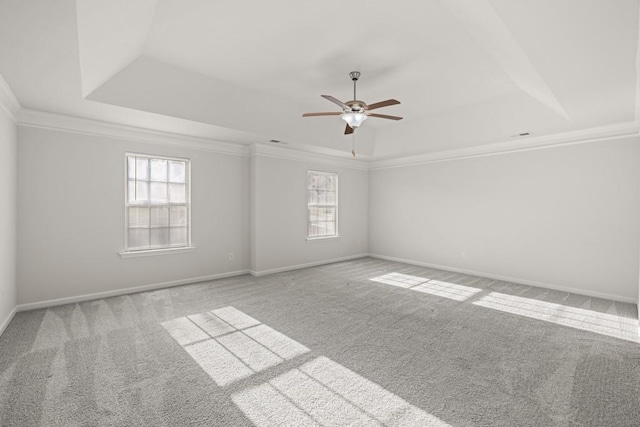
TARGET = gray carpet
x,y
327,346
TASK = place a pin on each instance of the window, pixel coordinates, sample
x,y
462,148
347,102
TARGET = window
x,y
157,203
322,204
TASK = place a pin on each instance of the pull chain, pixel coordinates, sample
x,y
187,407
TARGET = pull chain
x,y
353,143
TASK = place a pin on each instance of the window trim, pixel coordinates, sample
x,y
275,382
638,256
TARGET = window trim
x,y
153,252
133,253
336,206
322,238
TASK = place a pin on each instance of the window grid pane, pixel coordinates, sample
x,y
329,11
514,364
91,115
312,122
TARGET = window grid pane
x,y
157,203
322,203
177,171
158,192
158,170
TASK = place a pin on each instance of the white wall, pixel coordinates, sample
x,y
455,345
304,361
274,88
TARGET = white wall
x,y
8,217
71,210
564,217
279,220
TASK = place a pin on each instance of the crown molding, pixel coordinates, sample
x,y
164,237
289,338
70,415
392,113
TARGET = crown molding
x,y
262,150
8,100
59,122
622,130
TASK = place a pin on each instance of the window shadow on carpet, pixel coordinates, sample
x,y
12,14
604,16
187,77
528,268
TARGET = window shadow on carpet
x,y
611,324
428,286
230,346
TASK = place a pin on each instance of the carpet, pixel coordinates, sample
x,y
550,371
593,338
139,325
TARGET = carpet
x,y
362,342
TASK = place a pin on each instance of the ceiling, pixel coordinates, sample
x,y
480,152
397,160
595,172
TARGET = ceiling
x,y
468,72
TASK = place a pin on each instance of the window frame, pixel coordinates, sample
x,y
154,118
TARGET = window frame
x,y
188,247
335,206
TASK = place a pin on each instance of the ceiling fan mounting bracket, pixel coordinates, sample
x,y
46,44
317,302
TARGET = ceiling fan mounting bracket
x,y
355,75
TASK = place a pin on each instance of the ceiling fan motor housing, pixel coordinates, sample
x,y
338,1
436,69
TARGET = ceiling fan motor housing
x,y
356,106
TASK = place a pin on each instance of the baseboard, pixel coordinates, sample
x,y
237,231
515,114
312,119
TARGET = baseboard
x,y
125,291
510,279
154,286
306,265
8,320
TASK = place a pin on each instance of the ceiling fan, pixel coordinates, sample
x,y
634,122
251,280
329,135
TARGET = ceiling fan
x,y
355,112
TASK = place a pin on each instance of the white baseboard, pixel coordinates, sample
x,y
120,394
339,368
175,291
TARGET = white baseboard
x,y
154,286
8,320
125,291
306,265
511,279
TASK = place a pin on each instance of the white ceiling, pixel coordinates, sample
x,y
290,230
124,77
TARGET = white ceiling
x,y
468,72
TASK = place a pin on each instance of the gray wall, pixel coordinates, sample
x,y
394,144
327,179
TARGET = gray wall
x,y
71,208
279,220
565,217
8,216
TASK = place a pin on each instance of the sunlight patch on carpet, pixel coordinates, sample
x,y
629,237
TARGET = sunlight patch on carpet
x,y
447,290
211,324
400,280
184,331
428,286
221,365
608,324
254,354
235,317
279,343
323,392
230,345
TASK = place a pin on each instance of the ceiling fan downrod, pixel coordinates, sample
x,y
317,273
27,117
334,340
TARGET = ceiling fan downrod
x,y
355,75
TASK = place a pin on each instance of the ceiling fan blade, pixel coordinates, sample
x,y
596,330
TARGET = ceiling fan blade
x,y
380,104
320,114
336,101
384,116
348,130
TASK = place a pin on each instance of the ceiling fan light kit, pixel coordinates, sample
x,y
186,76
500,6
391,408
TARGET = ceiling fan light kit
x,y
354,119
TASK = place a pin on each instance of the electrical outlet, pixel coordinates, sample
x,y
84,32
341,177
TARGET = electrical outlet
x,y
231,256
463,254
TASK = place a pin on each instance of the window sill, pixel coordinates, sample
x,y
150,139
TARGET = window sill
x,y
154,252
323,238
